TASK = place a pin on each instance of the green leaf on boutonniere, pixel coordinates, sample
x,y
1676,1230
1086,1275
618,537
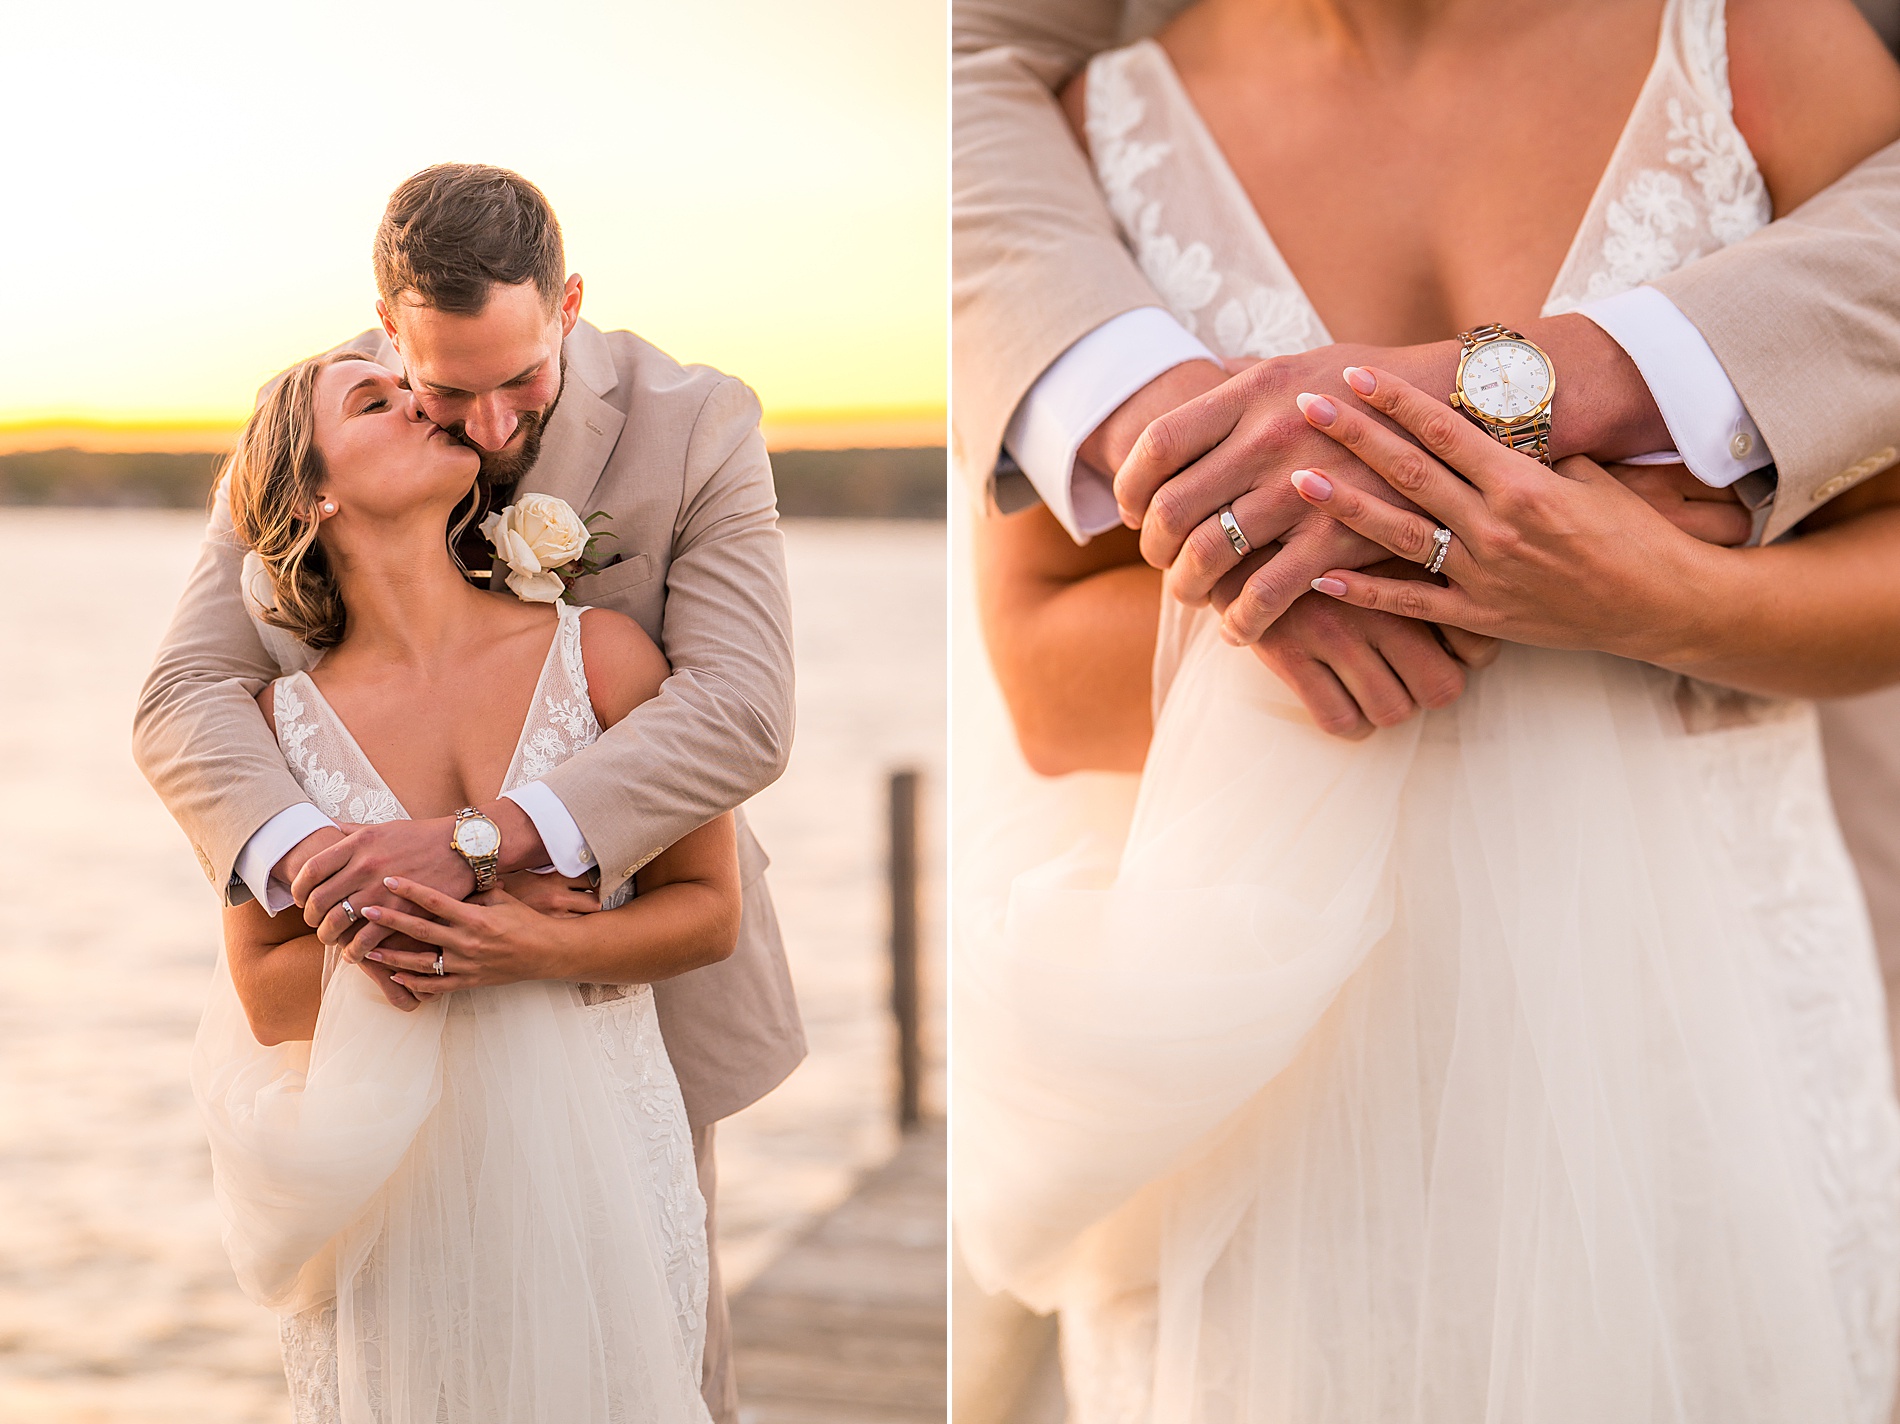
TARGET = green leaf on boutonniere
x,y
574,570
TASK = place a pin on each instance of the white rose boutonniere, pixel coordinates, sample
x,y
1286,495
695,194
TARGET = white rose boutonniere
x,y
544,543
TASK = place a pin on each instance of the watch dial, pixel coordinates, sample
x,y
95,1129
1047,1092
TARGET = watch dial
x,y
478,837
1506,380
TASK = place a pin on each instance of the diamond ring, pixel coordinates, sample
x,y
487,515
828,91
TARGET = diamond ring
x,y
1441,542
438,963
1230,526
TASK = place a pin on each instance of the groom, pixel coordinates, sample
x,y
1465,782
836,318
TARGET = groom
x,y
1772,366
479,311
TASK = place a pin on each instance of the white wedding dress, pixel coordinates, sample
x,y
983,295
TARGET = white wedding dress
x,y
482,1212
1525,1063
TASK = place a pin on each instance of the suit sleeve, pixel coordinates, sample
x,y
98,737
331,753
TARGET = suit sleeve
x,y
1805,318
197,733
1037,261
720,729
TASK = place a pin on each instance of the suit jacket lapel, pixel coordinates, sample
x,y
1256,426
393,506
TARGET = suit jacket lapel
x,y
585,427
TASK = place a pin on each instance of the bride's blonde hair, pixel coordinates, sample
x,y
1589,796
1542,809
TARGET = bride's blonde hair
x,y
273,478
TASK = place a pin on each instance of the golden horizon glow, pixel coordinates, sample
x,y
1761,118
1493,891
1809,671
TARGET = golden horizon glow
x,y
786,430
754,186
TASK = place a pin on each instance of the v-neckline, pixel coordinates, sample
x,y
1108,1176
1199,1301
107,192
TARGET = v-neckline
x,y
1216,159
514,757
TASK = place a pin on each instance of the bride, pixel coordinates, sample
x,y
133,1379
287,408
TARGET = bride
x,y
483,1209
1525,1061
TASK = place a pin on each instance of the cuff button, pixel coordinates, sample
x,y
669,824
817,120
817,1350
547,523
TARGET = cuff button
x,y
1741,445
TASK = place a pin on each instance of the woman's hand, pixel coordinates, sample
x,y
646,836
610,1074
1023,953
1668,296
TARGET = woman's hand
x,y
486,941
1570,558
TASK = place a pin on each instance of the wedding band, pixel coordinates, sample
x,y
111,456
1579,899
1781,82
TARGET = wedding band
x,y
350,910
1231,527
1441,538
438,963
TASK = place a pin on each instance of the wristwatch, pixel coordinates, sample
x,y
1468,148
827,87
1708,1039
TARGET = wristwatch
x,y
1504,384
478,841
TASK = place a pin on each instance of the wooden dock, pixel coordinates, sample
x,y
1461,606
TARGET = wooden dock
x,y
849,1325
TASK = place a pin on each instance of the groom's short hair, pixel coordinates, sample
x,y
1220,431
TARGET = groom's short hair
x,y
454,230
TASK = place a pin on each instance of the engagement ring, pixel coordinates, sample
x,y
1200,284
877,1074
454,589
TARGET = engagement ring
x,y
438,963
1231,527
1441,537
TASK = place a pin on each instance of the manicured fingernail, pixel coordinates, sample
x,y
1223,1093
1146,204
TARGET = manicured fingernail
x,y
1313,485
1361,380
1317,409
1330,585
390,881
375,954
372,912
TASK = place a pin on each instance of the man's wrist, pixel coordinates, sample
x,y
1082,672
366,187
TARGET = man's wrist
x,y
521,845
1603,408
292,864
1109,443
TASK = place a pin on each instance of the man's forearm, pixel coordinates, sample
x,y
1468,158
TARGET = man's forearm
x,y
1601,406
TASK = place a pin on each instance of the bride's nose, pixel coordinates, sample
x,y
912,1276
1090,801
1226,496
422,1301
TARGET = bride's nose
x,y
413,410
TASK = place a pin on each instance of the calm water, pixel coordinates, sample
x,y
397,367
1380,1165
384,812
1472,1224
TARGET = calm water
x,y
116,1303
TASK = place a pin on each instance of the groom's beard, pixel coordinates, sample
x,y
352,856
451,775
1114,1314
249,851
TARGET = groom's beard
x,y
502,469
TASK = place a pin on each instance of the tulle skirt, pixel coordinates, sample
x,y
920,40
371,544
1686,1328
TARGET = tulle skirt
x,y
461,1199
1526,1062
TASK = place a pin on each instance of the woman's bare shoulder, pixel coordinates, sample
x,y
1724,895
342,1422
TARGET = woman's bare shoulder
x,y
1075,105
1815,91
624,666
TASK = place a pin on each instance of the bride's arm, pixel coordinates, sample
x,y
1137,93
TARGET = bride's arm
x,y
684,916
1070,630
1577,561
277,968
276,962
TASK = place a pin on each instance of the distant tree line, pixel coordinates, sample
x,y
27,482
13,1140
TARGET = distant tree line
x,y
859,484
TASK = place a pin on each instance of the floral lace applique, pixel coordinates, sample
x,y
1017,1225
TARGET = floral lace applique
x,y
1183,275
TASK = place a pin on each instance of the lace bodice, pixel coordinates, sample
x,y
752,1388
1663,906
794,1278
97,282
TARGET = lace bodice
x,y
1680,184
342,781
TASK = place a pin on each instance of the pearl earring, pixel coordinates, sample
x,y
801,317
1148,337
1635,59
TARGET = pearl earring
x,y
329,506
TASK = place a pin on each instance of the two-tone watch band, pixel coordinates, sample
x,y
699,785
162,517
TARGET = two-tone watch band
x,y
1530,437
487,868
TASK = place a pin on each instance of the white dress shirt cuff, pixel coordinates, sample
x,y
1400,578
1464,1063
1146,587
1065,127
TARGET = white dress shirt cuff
x,y
1713,432
270,843
1075,395
567,848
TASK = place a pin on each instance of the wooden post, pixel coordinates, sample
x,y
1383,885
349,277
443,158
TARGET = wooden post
x,y
904,987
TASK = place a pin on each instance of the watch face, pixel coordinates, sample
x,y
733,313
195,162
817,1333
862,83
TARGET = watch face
x,y
1506,380
477,836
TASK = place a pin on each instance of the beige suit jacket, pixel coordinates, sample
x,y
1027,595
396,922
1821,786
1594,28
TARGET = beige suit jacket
x,y
674,454
1804,317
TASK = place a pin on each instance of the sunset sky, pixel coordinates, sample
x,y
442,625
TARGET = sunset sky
x,y
191,190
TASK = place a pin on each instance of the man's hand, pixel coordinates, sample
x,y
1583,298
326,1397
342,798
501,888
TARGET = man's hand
x,y
554,895
1715,516
1357,669
1237,444
355,867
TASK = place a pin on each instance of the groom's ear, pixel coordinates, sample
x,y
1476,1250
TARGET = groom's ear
x,y
570,305
389,326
